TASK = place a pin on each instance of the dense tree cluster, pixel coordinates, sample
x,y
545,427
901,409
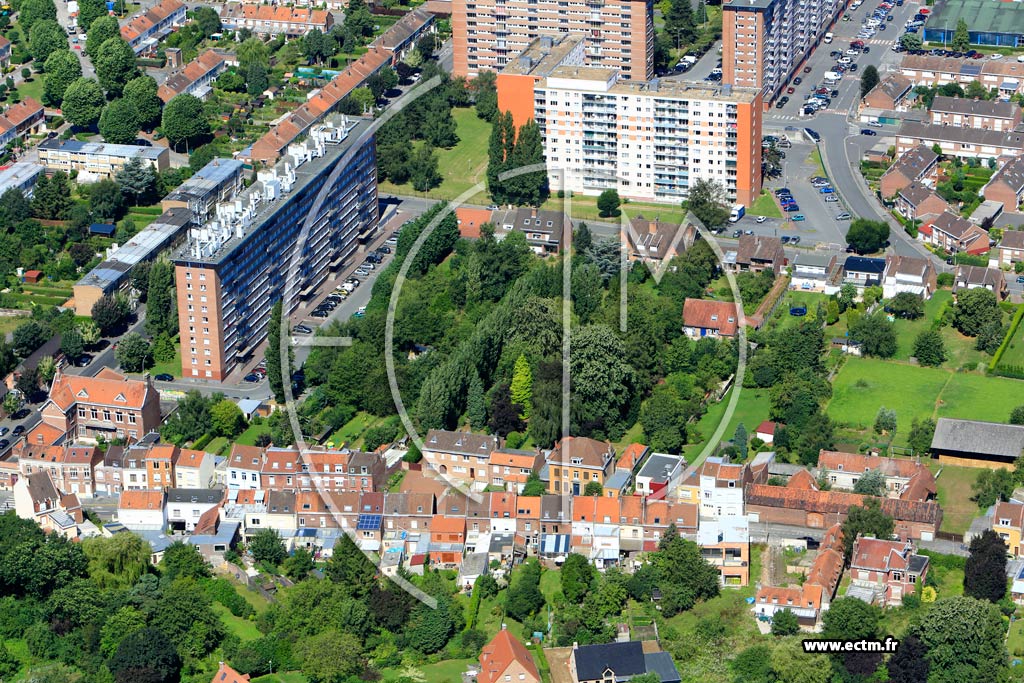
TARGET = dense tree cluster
x,y
511,152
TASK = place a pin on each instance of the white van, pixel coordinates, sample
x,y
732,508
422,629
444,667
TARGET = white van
x,y
832,77
829,36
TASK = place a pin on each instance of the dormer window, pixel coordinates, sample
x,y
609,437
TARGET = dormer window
x,y
577,461
839,467
1004,522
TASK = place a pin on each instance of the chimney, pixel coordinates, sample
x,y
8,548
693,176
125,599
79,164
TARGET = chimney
x,y
652,227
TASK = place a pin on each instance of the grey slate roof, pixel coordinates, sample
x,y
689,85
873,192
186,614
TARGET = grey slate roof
x,y
963,105
659,464
1012,239
661,663
914,162
625,659
1013,139
1012,174
975,436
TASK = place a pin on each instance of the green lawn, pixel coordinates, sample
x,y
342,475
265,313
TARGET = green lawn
x,y
249,436
550,584
171,367
219,446
243,628
8,323
288,677
865,384
443,672
954,493
1015,638
462,166
353,430
1014,353
751,410
815,159
765,206
32,88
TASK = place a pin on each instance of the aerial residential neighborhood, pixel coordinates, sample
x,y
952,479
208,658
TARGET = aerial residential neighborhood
x,y
451,341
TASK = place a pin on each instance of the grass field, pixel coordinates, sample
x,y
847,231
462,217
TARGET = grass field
x,y
32,88
959,349
954,492
815,159
765,206
353,430
1014,353
462,166
287,677
243,628
8,323
249,436
751,410
864,385
443,672
171,367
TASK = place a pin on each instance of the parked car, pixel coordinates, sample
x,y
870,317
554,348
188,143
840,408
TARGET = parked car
x,y
791,90
782,191
826,190
302,329
18,430
319,313
799,217
797,80
252,378
362,271
760,219
785,239
736,234
831,198
384,250
843,217
807,69
867,131
790,208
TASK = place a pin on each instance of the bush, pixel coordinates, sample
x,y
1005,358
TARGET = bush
x,y
223,591
945,280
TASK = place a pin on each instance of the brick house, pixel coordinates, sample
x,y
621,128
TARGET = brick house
x,y
706,318
447,540
37,498
72,467
755,253
954,234
889,94
915,165
973,113
917,201
460,456
1007,185
108,405
658,241
1010,249
888,570
510,468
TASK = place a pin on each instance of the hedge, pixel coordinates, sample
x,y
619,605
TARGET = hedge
x,y
1014,324
944,561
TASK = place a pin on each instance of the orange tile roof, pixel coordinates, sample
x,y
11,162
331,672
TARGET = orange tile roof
x,y
162,451
631,456
106,388
503,502
879,554
141,500
225,674
712,315
141,23
507,459
27,109
188,457
281,462
598,509
246,457
631,508
839,502
857,462
440,524
590,451
43,434
826,571
209,61
277,14
500,653
528,507
417,482
470,219
807,597
802,480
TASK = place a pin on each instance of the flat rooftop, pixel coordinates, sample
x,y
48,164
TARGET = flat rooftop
x,y
675,89
208,179
143,246
18,173
305,174
103,149
543,54
740,5
982,16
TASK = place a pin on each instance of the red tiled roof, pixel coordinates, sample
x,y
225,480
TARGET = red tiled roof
x,y
838,502
25,110
106,388
879,554
712,315
1014,512
501,652
470,219
225,674
766,427
802,480
836,461
631,456
141,500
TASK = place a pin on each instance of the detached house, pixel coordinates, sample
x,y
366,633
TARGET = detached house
x,y
506,660
811,271
108,405
884,571
1007,185
953,233
909,274
915,165
706,318
725,543
619,662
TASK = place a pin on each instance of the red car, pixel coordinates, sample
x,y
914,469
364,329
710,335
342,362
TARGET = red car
x,y
790,90
925,11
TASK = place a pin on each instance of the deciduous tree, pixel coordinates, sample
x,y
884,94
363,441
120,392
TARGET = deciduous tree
x,y
867,236
266,547
929,348
133,353
974,309
115,65
101,30
964,639
868,79
62,69
985,570
184,121
608,203
83,102
785,623
865,520
141,93
145,656
119,123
